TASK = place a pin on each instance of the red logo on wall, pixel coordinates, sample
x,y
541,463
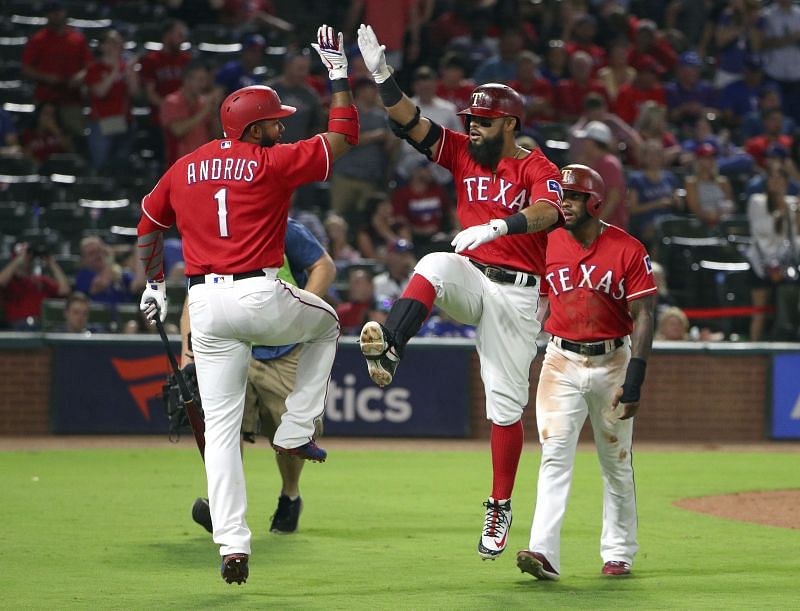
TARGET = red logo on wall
x,y
137,373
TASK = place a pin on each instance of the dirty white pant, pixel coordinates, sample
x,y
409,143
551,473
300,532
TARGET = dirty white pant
x,y
226,318
570,387
507,323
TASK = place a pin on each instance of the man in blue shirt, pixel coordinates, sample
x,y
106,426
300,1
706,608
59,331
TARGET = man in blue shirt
x,y
271,376
240,73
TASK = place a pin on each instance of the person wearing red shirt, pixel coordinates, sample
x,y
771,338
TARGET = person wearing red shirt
x,y
452,86
506,197
55,58
424,204
23,287
647,40
773,136
602,300
111,81
570,93
46,137
395,21
584,31
645,87
536,90
230,201
360,305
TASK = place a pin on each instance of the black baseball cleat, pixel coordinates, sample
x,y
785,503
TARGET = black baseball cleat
x,y
201,513
234,568
284,520
308,451
382,358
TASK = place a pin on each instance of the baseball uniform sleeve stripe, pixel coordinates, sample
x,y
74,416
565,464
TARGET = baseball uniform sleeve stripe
x,y
325,146
652,289
441,145
144,211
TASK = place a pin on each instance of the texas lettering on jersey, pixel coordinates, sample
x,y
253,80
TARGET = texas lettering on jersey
x,y
590,288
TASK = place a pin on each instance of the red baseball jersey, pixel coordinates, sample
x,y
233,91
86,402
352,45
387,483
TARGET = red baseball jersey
x,y
230,200
116,100
590,287
483,196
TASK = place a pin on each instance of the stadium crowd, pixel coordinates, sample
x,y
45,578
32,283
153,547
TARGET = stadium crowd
x,y
687,109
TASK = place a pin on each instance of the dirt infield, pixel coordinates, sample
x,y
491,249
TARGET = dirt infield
x,y
769,507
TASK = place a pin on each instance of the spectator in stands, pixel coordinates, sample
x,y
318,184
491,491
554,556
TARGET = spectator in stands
x,y
9,136
772,136
617,72
673,325
46,137
693,19
651,193
775,157
394,23
623,135
556,62
189,115
652,125
76,315
689,97
738,35
425,206
111,81
644,88
479,43
253,13
293,88
583,31
241,72
380,229
597,154
570,93
100,277
781,52
731,159
740,98
501,67
773,254
341,251
534,89
768,99
436,109
161,73
23,286
357,175
648,41
453,86
708,194
360,304
55,58
390,284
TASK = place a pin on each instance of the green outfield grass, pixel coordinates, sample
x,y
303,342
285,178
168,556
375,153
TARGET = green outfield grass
x,y
110,529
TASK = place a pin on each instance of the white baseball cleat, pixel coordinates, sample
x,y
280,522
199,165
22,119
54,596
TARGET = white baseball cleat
x,y
495,528
382,360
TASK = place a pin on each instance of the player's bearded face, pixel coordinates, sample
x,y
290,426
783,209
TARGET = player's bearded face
x,y
271,132
486,150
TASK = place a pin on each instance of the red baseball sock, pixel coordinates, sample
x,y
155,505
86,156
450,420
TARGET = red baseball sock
x,y
421,289
506,450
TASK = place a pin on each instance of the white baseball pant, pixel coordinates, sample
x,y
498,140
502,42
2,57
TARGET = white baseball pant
x,y
228,316
505,317
570,387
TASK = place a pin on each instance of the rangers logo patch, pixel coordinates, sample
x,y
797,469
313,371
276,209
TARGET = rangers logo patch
x,y
225,144
647,264
555,187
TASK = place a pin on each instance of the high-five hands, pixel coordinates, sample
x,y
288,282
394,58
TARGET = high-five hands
x,y
373,53
331,51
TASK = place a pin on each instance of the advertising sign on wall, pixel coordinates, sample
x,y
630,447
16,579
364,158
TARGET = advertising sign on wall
x,y
786,396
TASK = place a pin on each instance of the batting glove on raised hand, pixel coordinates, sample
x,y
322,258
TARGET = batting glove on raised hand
x,y
331,51
154,300
373,53
472,237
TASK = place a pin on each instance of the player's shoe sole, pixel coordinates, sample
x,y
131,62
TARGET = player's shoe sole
x,y
374,347
235,568
309,451
537,565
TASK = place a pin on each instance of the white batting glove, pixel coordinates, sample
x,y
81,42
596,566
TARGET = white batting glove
x,y
154,300
373,53
474,236
331,51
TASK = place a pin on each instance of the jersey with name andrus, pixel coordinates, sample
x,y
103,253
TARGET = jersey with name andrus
x,y
230,200
483,196
590,287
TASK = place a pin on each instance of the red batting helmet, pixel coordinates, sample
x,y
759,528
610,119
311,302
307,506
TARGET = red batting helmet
x,y
583,179
248,105
495,100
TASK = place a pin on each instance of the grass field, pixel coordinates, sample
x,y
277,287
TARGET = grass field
x,y
110,529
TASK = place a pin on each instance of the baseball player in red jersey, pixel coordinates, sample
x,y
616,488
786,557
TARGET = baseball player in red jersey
x,y
506,196
601,292
230,200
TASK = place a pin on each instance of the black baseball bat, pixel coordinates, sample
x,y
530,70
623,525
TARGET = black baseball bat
x,y
195,418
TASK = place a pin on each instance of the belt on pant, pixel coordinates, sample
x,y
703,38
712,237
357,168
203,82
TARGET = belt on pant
x,y
505,276
589,348
201,279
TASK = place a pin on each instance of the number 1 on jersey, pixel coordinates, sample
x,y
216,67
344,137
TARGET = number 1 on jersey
x,y
222,211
